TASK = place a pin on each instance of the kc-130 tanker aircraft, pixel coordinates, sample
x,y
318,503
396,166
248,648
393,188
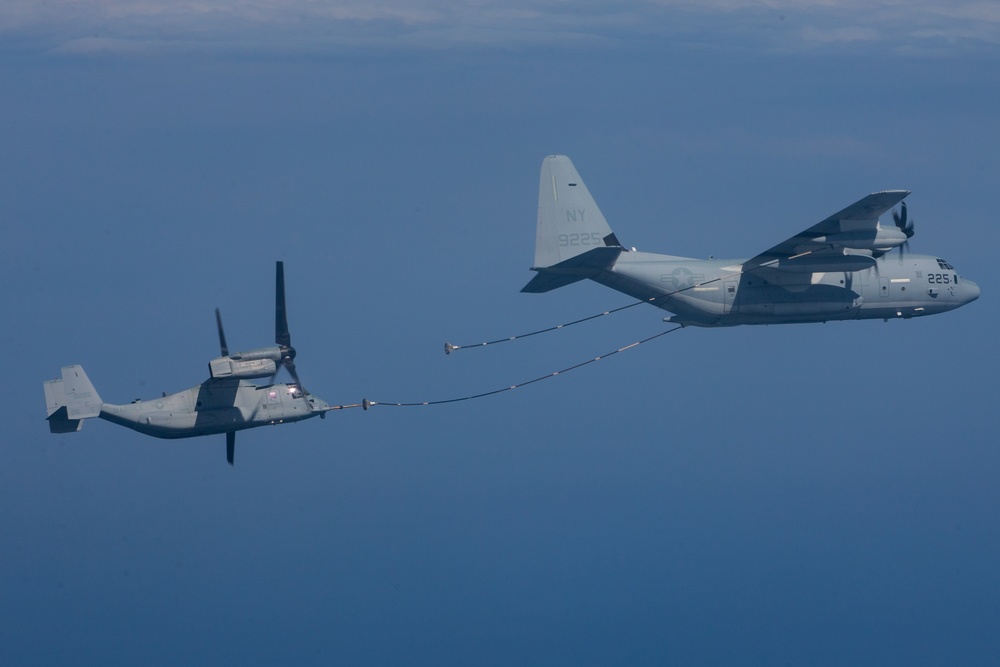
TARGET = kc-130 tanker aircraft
x,y
838,269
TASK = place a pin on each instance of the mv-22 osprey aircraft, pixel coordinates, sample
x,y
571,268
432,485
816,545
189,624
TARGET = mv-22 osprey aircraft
x,y
224,403
838,269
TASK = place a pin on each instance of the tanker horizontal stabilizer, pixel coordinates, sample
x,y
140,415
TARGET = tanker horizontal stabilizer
x,y
579,267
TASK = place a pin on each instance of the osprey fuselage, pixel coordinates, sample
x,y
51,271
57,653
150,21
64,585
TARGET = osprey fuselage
x,y
215,406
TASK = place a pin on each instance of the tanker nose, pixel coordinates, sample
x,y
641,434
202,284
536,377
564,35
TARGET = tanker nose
x,y
971,291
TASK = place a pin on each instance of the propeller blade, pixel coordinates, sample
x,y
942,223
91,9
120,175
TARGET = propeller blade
x,y
281,335
902,222
230,446
899,217
905,225
222,335
290,365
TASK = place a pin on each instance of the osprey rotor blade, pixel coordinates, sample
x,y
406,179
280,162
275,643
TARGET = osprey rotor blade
x,y
281,335
230,446
222,334
290,365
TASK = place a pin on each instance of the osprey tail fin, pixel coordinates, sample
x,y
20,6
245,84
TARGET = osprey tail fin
x,y
70,400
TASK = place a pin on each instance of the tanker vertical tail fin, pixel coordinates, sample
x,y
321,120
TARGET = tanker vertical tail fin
x,y
572,239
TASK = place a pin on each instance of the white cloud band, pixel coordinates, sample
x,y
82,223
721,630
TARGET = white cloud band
x,y
309,25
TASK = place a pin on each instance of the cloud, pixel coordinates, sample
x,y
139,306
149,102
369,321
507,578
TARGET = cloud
x,y
155,26
846,34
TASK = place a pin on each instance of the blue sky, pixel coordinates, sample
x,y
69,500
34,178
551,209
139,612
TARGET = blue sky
x,y
761,495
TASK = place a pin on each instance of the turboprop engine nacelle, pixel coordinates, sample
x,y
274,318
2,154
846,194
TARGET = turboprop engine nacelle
x,y
884,239
258,363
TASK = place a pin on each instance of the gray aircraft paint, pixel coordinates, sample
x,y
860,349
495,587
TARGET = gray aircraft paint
x,y
225,403
842,268
214,406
